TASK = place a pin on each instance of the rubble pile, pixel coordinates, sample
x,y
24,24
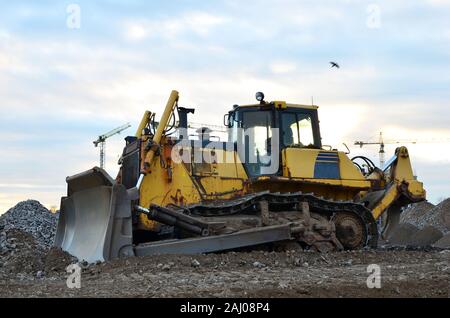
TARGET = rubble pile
x,y
413,213
424,224
19,253
438,217
32,218
27,232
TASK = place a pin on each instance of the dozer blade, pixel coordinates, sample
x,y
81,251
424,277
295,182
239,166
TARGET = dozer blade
x,y
390,221
95,218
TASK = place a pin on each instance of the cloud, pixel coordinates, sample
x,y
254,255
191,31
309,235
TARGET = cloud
x,y
202,22
439,3
136,31
197,22
283,67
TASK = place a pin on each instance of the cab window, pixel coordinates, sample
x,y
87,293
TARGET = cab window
x,y
297,130
259,125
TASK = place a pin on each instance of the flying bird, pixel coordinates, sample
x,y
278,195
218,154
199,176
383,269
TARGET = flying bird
x,y
334,64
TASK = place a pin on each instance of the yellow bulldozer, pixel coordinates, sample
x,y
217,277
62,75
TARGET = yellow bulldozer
x,y
272,181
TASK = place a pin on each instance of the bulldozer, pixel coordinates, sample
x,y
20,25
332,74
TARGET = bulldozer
x,y
270,182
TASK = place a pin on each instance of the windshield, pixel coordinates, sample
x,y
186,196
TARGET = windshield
x,y
258,126
254,139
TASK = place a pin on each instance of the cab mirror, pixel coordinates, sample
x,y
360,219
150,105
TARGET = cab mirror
x,y
226,121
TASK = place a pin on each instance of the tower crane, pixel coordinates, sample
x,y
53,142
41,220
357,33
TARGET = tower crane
x,y
102,141
381,142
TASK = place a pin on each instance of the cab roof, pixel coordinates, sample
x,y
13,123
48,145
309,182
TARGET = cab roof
x,y
300,106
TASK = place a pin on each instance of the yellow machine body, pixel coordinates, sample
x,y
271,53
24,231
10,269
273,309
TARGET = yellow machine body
x,y
224,177
162,203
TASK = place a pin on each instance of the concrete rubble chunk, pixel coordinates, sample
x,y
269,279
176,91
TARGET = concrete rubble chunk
x,y
444,242
195,263
426,236
403,234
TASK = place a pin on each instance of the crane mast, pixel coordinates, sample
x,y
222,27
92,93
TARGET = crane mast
x,y
382,143
101,140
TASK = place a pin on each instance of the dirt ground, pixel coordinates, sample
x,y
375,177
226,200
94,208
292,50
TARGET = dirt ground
x,y
296,273
27,269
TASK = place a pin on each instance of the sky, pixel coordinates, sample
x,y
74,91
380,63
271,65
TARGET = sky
x,y
70,71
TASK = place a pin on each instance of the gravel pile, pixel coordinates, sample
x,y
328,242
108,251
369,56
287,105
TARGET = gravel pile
x,y
20,254
424,224
32,218
438,217
415,212
27,232
426,214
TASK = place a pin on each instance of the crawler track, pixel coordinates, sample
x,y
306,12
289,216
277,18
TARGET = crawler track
x,y
283,201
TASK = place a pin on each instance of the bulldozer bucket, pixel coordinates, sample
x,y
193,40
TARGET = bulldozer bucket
x,y
95,218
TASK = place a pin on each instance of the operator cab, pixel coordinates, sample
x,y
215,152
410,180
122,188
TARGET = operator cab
x,y
261,132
